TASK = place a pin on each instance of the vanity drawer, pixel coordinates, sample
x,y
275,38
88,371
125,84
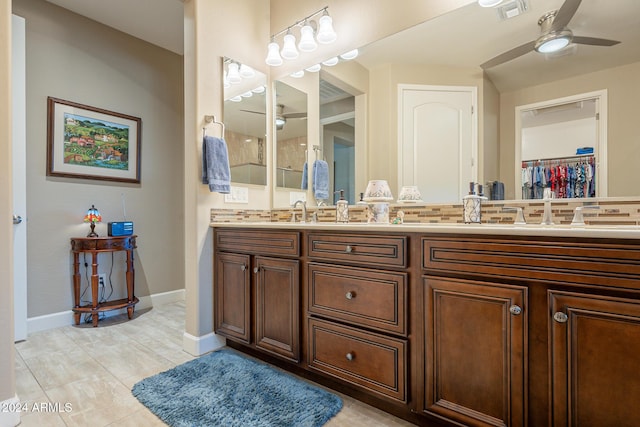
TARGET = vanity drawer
x,y
362,297
371,361
355,248
604,264
260,242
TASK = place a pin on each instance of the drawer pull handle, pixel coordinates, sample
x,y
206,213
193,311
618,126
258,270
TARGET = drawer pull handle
x,y
515,309
350,295
350,356
243,267
560,317
349,249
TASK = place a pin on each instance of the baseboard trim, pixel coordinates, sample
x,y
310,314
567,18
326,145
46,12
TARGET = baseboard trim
x,y
197,346
10,417
65,318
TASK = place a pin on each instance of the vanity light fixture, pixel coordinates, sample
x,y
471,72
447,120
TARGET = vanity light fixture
x,y
297,74
246,72
325,35
331,61
289,50
314,68
233,73
352,54
489,3
259,89
307,42
273,56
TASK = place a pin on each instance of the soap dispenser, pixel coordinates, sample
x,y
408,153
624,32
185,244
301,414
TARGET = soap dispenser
x,y
342,208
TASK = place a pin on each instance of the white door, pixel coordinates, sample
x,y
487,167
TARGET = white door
x,y
438,140
19,154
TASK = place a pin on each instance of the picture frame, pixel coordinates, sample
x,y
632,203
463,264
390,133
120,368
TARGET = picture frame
x,y
92,143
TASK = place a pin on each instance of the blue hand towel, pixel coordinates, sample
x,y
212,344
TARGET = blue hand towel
x,y
305,184
320,180
215,164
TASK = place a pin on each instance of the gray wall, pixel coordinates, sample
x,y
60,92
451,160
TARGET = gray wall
x,y
76,59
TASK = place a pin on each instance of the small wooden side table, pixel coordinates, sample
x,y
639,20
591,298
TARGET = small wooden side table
x,y
94,246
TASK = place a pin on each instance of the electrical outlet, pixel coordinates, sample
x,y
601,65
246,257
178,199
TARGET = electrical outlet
x,y
102,280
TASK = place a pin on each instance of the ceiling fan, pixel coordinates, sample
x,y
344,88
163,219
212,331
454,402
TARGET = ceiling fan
x,y
281,116
554,36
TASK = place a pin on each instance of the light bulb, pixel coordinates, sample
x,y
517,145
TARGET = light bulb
x,y
246,71
273,55
247,94
236,98
307,42
259,89
289,50
233,75
326,34
297,74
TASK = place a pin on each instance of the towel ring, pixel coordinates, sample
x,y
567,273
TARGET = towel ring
x,y
211,119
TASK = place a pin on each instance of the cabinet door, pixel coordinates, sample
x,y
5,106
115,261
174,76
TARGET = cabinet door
x,y
595,343
277,283
232,296
475,351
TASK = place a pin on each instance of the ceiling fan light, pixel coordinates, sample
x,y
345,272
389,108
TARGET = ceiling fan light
x,y
233,75
489,3
273,55
553,42
307,42
280,122
289,50
326,34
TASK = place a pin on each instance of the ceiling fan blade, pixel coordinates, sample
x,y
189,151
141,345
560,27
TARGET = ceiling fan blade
x,y
564,15
509,55
594,41
254,112
295,115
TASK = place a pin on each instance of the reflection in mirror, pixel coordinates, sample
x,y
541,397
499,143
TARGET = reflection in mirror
x,y
291,135
337,136
245,121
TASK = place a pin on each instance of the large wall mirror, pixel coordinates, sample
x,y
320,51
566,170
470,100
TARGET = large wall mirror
x,y
245,122
290,135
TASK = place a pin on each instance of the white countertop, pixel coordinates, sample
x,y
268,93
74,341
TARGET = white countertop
x,y
588,231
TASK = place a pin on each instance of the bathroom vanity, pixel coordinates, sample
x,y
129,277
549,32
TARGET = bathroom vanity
x,y
443,324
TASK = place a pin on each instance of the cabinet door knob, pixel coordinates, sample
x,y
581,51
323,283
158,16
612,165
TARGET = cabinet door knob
x,y
350,356
350,295
243,267
349,249
515,309
256,269
560,317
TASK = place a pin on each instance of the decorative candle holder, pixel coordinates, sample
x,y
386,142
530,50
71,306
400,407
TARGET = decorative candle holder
x,y
378,213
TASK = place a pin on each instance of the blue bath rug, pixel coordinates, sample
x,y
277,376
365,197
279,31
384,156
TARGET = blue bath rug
x,y
226,388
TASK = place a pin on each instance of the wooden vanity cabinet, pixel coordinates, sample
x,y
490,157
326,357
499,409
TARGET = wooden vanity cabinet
x,y
257,297
357,288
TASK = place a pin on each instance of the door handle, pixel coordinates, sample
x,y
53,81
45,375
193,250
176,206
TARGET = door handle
x,y
17,219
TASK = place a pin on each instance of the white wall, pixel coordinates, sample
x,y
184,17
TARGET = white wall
x,y
558,139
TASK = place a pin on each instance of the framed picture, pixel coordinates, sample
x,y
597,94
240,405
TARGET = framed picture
x,y
92,143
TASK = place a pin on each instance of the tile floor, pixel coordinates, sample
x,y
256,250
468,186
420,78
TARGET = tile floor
x,y
82,376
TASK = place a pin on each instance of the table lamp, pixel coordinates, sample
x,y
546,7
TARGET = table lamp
x,y
92,216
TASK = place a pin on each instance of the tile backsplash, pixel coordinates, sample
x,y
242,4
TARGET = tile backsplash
x,y
610,212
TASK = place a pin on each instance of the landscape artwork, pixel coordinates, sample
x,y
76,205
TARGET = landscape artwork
x,y
92,143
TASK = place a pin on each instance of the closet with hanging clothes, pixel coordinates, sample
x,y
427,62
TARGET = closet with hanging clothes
x,y
566,177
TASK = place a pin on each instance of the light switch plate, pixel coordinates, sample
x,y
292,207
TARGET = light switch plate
x,y
237,195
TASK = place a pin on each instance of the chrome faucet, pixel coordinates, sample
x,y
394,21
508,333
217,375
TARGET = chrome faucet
x,y
519,214
304,209
547,217
578,219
